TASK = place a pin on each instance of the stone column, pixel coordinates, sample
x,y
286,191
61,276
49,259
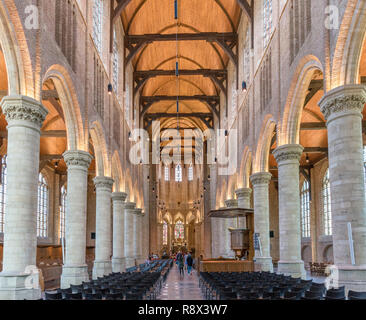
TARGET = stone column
x,y
288,157
118,258
260,183
137,234
75,269
342,108
243,196
103,242
130,259
230,223
25,117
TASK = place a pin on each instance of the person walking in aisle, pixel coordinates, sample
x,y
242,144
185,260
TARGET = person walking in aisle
x,y
189,264
180,261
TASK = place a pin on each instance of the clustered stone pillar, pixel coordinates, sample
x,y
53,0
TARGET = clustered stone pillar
x,y
243,196
75,269
129,221
25,117
342,108
118,258
260,183
103,243
288,157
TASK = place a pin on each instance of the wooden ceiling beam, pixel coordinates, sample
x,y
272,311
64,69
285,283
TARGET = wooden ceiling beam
x,y
213,102
206,118
219,77
227,41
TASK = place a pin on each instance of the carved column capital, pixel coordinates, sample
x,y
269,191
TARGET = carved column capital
x,y
119,196
243,193
105,183
76,158
231,203
343,100
260,178
288,152
23,108
130,205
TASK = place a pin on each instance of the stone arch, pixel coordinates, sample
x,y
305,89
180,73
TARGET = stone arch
x,y
245,169
103,167
260,163
351,37
70,106
117,172
16,53
328,256
306,254
232,186
179,217
128,185
290,127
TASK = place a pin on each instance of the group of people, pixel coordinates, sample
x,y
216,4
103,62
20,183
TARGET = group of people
x,y
184,261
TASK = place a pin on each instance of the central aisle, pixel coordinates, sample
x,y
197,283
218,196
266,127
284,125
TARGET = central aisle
x,y
176,289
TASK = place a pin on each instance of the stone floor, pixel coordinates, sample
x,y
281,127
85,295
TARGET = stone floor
x,y
176,288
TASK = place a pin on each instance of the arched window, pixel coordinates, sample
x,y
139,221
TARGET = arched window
x,y
3,192
62,212
98,23
115,62
327,211
190,173
267,22
166,173
42,212
305,209
165,234
179,230
178,173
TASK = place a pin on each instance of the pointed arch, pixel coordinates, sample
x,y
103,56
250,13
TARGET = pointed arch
x,y
264,144
290,127
103,167
245,169
117,172
351,37
70,106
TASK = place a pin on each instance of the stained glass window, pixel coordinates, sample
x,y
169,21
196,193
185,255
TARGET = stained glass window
x,y
115,62
42,211
327,211
267,21
98,24
3,192
305,209
62,212
166,173
165,234
178,173
190,173
179,230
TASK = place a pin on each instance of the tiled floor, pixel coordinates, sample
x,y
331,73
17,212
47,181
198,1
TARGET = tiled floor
x,y
176,288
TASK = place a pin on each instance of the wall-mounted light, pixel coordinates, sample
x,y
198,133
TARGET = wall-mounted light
x,y
307,158
226,133
244,86
110,88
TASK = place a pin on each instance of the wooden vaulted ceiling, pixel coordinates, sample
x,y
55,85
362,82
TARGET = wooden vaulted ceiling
x,y
141,17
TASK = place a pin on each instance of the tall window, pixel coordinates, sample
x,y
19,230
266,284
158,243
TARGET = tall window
x,y
246,64
42,212
267,21
305,209
165,234
190,173
62,212
327,211
166,173
178,173
3,193
98,24
179,230
115,63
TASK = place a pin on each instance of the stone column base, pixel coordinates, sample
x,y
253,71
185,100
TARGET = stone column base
x,y
118,265
295,269
15,286
74,275
352,277
101,269
265,263
130,262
